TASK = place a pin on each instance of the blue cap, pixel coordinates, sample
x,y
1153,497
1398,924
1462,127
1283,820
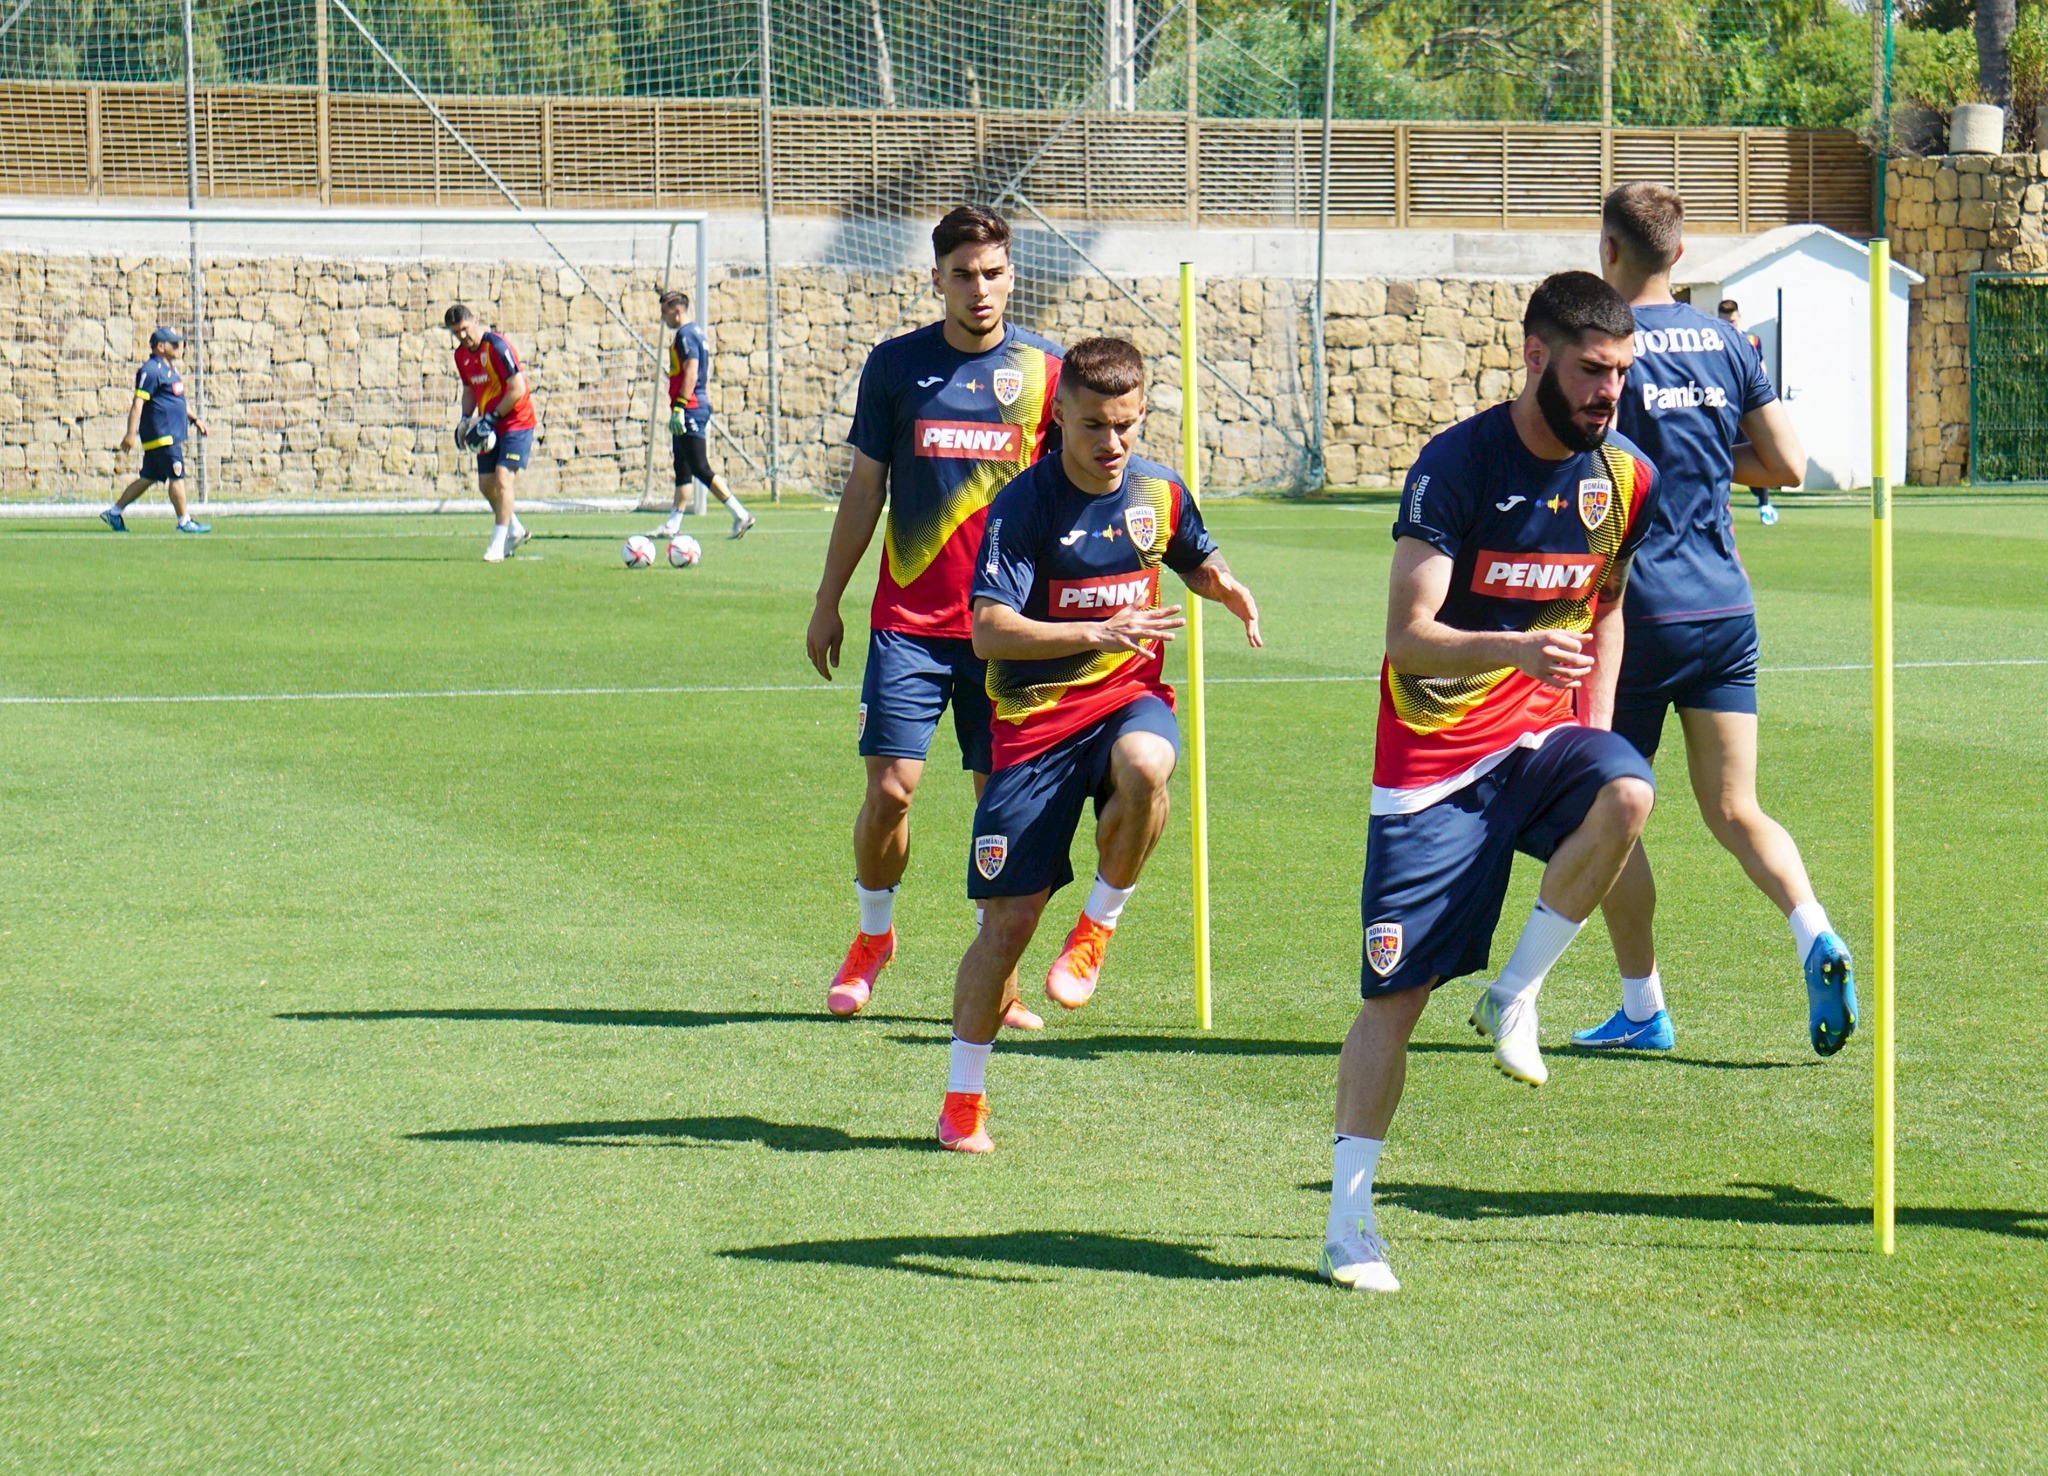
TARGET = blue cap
x,y
165,335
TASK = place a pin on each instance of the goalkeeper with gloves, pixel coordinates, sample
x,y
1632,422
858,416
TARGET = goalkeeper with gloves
x,y
689,417
497,421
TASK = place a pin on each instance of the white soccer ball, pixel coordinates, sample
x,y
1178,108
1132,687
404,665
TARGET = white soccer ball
x,y
683,551
639,552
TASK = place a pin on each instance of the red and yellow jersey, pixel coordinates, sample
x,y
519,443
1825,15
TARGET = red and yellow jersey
x,y
1531,542
1053,552
487,369
952,428
687,345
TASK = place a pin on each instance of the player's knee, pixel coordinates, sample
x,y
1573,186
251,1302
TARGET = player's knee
x,y
1008,923
1144,766
891,787
1628,802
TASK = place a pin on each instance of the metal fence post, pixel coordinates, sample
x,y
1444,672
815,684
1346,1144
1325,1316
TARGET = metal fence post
x,y
768,250
197,337
1319,394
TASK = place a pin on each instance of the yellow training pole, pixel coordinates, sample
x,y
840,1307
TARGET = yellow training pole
x,y
1198,758
1882,910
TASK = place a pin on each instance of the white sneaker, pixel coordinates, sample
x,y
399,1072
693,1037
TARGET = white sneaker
x,y
495,554
1358,1259
669,529
1513,1033
519,536
740,526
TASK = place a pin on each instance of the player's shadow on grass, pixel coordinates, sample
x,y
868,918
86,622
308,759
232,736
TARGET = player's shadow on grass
x,y
1101,1047
645,1019
1759,1204
1059,1250
676,1132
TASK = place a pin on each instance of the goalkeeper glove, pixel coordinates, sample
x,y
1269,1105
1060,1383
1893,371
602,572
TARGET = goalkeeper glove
x,y
678,422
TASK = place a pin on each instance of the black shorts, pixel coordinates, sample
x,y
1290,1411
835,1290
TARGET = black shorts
x,y
693,457
1024,826
1435,879
1709,665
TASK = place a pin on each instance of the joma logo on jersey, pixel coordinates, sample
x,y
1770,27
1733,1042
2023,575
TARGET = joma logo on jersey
x,y
1521,576
1687,396
1116,592
1678,341
969,440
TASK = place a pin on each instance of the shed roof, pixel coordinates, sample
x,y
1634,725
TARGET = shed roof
x,y
1770,245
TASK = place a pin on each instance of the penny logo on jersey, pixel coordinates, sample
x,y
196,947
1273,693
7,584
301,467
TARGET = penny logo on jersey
x,y
969,440
1383,947
1143,523
990,852
1111,592
1009,383
1596,495
1534,576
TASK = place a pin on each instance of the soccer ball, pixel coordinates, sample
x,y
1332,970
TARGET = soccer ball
x,y
474,433
683,551
639,552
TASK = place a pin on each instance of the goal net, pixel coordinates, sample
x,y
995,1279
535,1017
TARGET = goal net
x,y
315,351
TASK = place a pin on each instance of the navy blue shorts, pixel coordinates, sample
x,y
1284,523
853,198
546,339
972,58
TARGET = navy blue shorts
x,y
1024,826
1434,880
907,684
164,464
1705,664
513,451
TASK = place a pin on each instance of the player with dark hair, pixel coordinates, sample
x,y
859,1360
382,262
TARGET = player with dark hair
x,y
1730,312
497,421
1066,610
1701,405
157,419
689,416
946,416
1511,553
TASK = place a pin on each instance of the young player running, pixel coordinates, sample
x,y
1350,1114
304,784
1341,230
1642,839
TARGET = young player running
x,y
1066,609
1700,404
1730,312
689,417
497,419
156,418
946,416
1511,553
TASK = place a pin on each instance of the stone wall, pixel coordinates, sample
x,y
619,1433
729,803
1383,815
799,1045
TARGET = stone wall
x,y
1947,217
332,379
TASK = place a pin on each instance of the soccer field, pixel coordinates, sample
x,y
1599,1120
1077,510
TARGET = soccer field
x,y
430,1072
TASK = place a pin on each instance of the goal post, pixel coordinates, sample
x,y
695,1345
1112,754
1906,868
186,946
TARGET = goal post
x,y
315,351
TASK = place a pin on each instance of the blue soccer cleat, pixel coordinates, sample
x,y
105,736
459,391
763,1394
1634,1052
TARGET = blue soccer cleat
x,y
1620,1033
1767,515
190,526
1830,994
112,518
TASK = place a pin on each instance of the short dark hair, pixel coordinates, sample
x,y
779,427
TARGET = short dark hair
x,y
456,313
674,299
1108,366
1647,221
969,225
1569,305
1728,305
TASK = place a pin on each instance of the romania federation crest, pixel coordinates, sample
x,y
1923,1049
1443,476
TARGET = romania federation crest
x,y
990,852
1143,524
1383,947
1009,383
860,724
1596,495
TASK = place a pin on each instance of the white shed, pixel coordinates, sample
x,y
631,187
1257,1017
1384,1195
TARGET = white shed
x,y
1804,291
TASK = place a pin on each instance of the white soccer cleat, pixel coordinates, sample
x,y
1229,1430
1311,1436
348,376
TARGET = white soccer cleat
x,y
1513,1033
495,554
670,528
1358,1259
740,524
519,537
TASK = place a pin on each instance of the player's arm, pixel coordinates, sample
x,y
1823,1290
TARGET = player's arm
x,y
468,401
1419,644
1212,580
516,390
1002,633
135,403
1596,705
853,529
200,426
1771,455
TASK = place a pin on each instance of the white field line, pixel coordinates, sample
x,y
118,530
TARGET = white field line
x,y
463,693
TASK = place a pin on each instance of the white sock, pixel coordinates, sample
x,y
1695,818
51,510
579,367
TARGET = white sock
x,y
970,1066
1106,903
1642,998
732,505
1808,920
517,526
980,916
1545,936
876,908
1357,1160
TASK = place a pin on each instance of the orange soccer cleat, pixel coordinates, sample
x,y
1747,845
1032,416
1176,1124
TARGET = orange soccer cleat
x,y
854,985
963,1123
1017,1017
1071,980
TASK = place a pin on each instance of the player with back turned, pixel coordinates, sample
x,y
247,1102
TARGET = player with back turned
x,y
1700,404
689,417
946,415
1066,609
1511,554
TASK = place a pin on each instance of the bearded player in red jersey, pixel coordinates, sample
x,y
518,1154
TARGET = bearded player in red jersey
x,y
946,416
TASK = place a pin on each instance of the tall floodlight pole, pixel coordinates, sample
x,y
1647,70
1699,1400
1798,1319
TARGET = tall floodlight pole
x,y
198,290
1318,470
768,249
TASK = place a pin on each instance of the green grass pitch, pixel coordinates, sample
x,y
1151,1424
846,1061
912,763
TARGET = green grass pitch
x,y
441,1082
